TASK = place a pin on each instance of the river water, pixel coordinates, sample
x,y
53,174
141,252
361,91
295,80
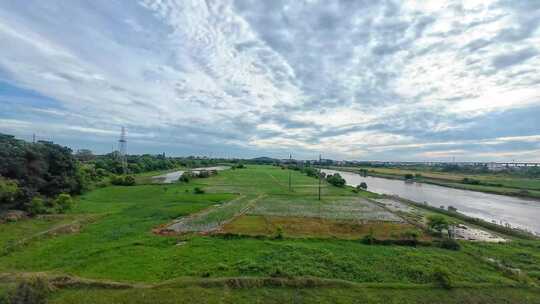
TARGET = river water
x,y
502,209
172,177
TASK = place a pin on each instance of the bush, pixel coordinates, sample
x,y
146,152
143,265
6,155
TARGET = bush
x,y
336,180
279,233
8,191
36,206
471,181
32,291
185,177
240,166
442,277
437,223
117,180
369,239
411,234
362,186
450,244
203,174
198,190
127,180
63,202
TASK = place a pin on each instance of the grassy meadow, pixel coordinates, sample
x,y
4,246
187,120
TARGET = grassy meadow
x,y
258,232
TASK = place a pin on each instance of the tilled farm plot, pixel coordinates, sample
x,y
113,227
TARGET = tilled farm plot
x,y
333,208
212,218
258,225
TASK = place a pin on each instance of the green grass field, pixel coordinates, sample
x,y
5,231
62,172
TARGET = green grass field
x,y
118,244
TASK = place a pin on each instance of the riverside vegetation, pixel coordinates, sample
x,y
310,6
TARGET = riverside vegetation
x,y
277,250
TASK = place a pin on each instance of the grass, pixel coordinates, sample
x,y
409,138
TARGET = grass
x,y
299,295
120,246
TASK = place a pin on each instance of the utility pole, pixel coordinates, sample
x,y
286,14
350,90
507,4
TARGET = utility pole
x,y
320,176
290,161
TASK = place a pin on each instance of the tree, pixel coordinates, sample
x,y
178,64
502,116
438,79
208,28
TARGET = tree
x,y
36,206
336,180
84,155
438,223
185,177
8,192
63,202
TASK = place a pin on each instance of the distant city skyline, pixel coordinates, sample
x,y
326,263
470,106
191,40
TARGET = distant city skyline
x,y
354,80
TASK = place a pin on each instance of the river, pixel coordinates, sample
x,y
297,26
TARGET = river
x,y
172,177
502,209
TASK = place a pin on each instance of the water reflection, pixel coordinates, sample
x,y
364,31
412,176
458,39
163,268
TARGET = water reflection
x,y
517,212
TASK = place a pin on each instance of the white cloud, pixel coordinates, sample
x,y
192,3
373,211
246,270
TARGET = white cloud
x,y
350,78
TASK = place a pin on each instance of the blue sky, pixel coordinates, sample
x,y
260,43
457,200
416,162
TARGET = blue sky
x,y
376,80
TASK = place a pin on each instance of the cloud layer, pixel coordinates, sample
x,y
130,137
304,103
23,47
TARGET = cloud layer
x,y
350,79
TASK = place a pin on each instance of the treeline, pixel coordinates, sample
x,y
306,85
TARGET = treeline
x,y
41,177
527,172
37,173
333,179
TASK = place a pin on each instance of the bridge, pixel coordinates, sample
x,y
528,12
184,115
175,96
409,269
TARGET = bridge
x,y
461,164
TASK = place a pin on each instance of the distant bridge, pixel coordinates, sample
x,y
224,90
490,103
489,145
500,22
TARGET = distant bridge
x,y
472,164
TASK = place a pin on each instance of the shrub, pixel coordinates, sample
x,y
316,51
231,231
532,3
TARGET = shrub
x,y
437,223
185,177
336,180
441,276
362,186
127,180
8,191
410,234
450,244
36,206
203,174
63,202
198,190
471,181
279,233
34,290
369,239
117,180
241,166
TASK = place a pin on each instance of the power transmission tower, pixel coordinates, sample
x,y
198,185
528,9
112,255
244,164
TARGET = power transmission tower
x,y
122,143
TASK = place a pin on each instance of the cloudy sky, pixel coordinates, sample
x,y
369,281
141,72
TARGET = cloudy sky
x,y
353,79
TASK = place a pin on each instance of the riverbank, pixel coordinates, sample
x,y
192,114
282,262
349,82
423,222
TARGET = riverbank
x,y
500,209
530,192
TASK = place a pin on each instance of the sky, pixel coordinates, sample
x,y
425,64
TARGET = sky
x,y
353,79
